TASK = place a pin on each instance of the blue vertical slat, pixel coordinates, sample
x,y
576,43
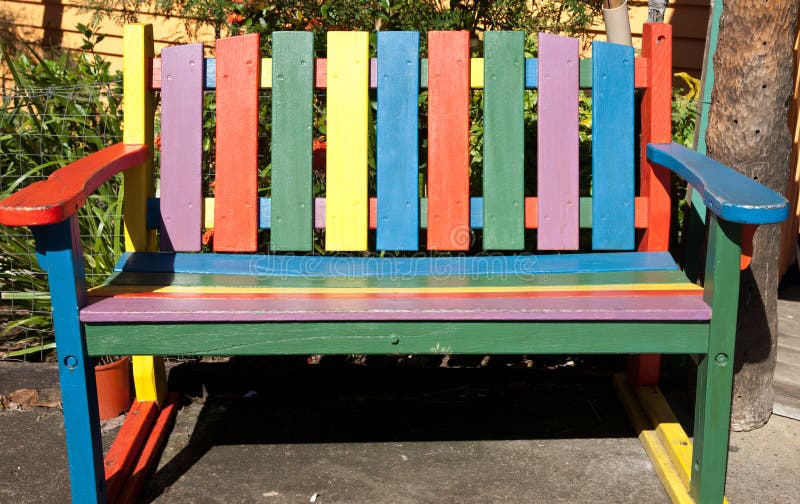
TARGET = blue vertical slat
x,y
397,147
612,147
58,251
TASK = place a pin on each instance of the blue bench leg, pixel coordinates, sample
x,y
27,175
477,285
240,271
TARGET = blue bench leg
x,y
715,371
59,252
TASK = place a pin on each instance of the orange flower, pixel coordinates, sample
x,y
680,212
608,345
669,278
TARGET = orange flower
x,y
235,18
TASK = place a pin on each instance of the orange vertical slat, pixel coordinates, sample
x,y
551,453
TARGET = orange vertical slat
x,y
236,205
448,140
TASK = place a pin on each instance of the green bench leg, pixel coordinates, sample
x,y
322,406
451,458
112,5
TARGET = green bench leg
x,y
58,251
715,371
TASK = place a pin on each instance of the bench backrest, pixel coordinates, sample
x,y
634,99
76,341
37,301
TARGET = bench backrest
x,y
437,199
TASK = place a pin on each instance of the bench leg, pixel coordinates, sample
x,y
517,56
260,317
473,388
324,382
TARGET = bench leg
x,y
58,250
149,378
715,370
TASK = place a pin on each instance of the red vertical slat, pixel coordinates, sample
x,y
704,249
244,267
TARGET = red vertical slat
x,y
448,140
655,180
235,191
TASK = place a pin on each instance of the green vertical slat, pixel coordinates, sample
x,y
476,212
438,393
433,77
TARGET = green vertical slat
x,y
503,142
715,370
292,99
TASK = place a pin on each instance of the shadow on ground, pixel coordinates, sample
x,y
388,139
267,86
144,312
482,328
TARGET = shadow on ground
x,y
283,401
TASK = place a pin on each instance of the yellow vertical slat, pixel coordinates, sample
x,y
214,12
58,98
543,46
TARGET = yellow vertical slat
x,y
148,371
346,206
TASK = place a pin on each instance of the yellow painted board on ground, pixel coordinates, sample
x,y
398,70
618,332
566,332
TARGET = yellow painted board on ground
x,y
346,169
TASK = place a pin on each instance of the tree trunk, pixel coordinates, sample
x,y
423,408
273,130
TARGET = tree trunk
x,y
655,10
748,130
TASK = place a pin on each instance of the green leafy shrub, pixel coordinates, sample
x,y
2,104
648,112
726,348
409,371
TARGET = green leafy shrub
x,y
62,108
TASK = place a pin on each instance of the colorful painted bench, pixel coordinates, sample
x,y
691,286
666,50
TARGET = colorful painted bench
x,y
582,270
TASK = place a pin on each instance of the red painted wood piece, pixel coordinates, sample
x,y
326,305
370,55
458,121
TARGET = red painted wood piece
x,y
53,200
126,447
448,140
236,205
155,81
399,294
656,128
655,180
640,73
150,451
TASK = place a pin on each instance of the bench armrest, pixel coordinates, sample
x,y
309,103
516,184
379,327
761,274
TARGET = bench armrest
x,y
727,193
53,200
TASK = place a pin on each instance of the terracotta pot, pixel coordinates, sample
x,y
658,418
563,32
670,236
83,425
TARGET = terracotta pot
x,y
113,387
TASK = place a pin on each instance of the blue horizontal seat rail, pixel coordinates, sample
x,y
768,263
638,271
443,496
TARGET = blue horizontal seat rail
x,y
297,265
727,193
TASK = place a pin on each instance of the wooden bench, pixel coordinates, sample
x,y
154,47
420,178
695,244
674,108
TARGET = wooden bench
x,y
568,269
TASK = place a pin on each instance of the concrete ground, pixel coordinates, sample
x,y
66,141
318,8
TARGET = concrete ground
x,y
282,431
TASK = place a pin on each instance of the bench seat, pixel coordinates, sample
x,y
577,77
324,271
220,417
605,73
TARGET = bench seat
x,y
169,288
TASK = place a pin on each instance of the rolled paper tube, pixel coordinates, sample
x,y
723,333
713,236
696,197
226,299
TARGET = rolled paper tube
x,y
618,24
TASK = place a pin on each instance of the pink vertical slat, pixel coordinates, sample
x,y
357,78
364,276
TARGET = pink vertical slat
x,y
557,172
181,147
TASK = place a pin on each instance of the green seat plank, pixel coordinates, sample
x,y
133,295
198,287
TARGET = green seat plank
x,y
285,338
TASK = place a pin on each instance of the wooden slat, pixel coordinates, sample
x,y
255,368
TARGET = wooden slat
x,y
612,147
137,104
181,148
654,181
236,212
126,446
346,157
656,128
476,73
397,142
557,172
276,269
292,114
592,306
503,142
448,141
475,218
396,337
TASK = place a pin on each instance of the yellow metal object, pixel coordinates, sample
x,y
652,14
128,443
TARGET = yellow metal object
x,y
346,177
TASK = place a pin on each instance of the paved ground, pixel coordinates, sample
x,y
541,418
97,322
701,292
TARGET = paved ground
x,y
280,431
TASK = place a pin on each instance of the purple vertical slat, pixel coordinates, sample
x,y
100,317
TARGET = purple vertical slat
x,y
557,172
181,147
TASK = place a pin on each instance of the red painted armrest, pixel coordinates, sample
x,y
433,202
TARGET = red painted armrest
x,y
53,200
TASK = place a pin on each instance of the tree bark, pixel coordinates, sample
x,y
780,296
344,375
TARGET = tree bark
x,y
655,10
748,130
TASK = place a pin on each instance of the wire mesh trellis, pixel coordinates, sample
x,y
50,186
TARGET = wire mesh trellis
x,y
41,130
